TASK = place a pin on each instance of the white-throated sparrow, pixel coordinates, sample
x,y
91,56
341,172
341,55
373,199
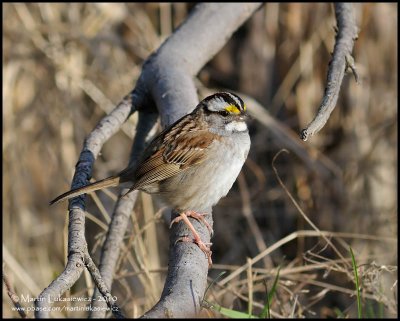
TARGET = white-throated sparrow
x,y
192,163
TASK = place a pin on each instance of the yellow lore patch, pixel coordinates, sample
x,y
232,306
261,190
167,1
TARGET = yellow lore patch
x,y
232,109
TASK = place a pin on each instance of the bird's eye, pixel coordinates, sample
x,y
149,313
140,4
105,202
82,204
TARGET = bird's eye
x,y
224,113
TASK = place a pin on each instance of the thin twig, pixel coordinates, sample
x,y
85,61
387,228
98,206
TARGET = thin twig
x,y
14,298
251,221
102,287
250,286
298,206
341,60
275,246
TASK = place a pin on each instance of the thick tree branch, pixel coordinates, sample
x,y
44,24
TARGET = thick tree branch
x,y
167,82
170,73
168,76
341,60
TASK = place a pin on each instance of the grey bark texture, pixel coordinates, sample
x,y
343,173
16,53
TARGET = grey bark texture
x,y
341,60
77,246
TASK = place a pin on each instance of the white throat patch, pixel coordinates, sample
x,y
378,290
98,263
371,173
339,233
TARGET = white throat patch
x,y
236,126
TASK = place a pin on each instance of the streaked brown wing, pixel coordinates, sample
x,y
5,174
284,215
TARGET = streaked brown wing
x,y
175,149
189,148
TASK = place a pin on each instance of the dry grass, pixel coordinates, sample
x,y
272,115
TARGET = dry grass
x,y
64,67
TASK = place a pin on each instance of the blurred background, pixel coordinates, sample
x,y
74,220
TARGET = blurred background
x,y
65,66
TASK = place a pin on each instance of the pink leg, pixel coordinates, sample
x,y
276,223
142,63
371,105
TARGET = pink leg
x,y
195,215
205,247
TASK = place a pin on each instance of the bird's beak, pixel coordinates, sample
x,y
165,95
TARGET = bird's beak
x,y
243,116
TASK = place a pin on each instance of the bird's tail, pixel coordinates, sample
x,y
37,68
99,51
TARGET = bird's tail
x,y
107,182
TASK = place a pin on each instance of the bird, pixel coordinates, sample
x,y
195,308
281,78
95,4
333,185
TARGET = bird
x,y
191,164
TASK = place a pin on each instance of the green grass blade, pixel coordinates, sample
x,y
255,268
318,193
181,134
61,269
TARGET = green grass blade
x,y
224,311
212,283
233,314
339,314
265,313
380,310
266,310
353,260
370,310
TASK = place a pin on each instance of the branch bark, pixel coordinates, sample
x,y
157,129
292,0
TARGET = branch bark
x,y
77,246
166,81
171,73
120,217
341,60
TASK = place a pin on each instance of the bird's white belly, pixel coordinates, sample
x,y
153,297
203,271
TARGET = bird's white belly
x,y
201,187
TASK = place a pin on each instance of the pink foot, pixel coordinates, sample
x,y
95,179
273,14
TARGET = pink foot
x,y
205,247
195,215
